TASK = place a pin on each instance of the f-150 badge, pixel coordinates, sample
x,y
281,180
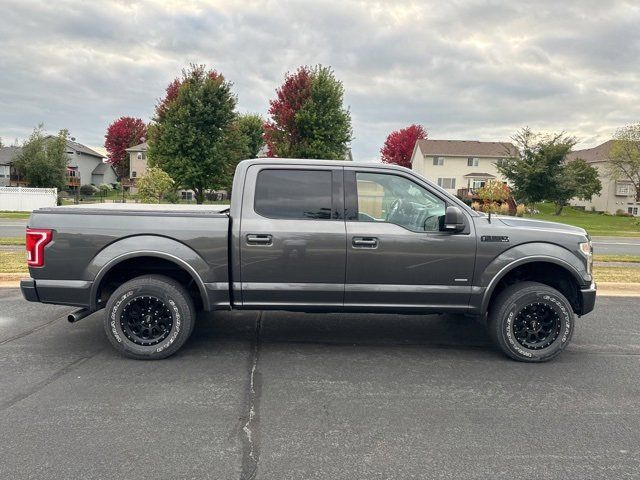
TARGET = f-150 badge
x,y
495,238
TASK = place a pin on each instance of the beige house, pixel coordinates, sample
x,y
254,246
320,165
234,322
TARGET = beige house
x,y
137,166
460,165
616,194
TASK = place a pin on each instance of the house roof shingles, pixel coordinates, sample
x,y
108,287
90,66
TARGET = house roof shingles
x,y
595,154
467,148
138,148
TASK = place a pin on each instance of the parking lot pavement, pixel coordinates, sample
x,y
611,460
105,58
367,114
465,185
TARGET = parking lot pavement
x,y
283,396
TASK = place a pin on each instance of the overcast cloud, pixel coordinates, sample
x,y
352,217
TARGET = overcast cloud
x,y
463,69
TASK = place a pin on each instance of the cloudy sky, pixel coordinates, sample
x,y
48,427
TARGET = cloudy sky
x,y
464,69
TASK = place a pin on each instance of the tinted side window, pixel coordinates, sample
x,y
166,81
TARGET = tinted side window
x,y
294,194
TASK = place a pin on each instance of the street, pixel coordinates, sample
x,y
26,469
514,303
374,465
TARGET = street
x,y
290,396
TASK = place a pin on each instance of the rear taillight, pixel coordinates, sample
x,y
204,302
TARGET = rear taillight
x,y
36,241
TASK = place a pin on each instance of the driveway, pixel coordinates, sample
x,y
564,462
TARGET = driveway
x,y
291,396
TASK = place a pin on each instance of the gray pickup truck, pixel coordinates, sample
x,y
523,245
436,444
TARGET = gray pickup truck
x,y
312,235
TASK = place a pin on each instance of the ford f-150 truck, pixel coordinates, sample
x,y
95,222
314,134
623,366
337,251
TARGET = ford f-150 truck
x,y
312,235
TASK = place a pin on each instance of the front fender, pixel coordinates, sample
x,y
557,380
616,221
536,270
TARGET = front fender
x,y
528,253
149,246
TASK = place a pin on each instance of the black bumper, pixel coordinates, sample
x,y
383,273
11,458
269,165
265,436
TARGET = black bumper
x,y
588,298
28,288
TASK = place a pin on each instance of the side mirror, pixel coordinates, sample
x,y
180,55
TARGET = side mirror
x,y
453,220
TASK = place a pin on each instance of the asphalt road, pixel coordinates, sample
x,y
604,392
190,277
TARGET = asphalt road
x,y
292,396
12,227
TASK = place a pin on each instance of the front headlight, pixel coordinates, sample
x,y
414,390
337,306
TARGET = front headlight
x,y
586,249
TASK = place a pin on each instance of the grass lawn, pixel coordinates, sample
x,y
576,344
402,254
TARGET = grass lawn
x,y
594,223
12,240
13,262
616,258
15,214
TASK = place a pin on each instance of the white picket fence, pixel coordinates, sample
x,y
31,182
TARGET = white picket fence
x,y
23,199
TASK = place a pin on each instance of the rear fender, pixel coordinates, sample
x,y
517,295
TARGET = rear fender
x,y
154,246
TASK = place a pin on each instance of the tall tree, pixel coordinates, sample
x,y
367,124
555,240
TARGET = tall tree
x,y
1,145
624,156
308,118
243,139
43,159
399,145
187,138
576,179
123,133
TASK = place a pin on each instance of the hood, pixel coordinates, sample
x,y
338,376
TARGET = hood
x,y
540,224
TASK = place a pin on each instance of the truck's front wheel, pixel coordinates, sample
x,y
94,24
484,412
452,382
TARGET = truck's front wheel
x,y
149,317
531,322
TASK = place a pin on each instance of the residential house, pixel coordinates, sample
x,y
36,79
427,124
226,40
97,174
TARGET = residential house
x,y
86,166
616,194
137,166
7,173
460,165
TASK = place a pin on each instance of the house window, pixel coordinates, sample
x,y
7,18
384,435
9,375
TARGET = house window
x,y
139,156
186,195
623,189
134,174
449,183
439,161
477,183
472,162
500,162
633,211
4,171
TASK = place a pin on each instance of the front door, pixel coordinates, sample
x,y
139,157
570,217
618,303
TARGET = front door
x,y
397,258
292,237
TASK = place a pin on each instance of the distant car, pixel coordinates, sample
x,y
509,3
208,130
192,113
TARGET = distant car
x,y
312,235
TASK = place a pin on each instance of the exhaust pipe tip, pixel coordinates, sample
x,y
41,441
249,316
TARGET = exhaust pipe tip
x,y
78,315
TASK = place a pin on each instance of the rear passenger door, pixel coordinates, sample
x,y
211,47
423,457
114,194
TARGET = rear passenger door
x,y
292,237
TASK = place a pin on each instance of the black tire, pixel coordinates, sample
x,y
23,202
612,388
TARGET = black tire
x,y
149,317
531,322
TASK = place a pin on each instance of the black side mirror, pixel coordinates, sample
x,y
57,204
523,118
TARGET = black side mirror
x,y
453,220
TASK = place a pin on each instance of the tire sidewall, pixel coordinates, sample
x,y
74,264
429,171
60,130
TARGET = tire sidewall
x,y
177,306
516,304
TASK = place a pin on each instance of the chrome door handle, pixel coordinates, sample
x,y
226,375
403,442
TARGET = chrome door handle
x,y
365,242
259,239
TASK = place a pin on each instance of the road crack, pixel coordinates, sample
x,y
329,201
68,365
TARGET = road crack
x,y
250,434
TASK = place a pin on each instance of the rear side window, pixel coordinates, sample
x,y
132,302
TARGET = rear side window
x,y
294,194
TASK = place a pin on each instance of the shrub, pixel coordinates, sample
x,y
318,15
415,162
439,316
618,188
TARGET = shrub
x,y
504,208
494,191
520,210
88,190
476,206
171,197
117,187
621,213
105,188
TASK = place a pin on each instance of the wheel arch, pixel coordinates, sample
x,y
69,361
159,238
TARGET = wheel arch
x,y
173,254
552,271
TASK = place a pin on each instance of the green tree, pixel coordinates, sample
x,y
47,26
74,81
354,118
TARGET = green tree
x,y
533,171
624,156
308,118
154,184
43,159
187,138
1,144
575,179
242,140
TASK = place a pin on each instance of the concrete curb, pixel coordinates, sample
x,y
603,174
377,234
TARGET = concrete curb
x,y
605,289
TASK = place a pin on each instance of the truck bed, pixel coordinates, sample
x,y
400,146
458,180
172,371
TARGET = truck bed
x,y
88,238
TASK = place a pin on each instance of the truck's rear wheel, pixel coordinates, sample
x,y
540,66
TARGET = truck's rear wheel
x,y
149,317
531,322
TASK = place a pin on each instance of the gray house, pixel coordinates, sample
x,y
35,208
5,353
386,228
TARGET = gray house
x,y
87,166
6,157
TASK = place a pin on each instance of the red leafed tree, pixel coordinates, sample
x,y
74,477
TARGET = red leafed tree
x,y
399,145
123,133
282,133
